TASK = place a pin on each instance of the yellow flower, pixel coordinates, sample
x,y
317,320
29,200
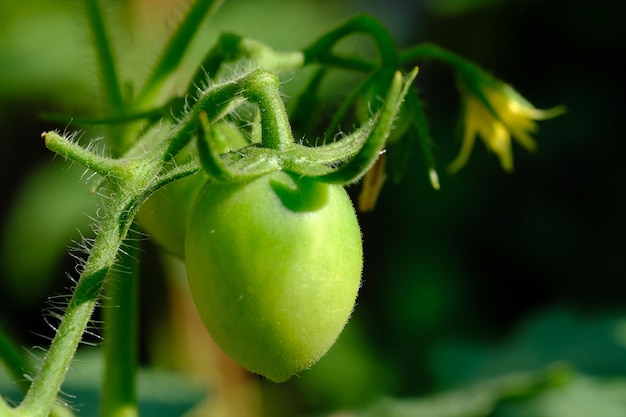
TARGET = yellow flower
x,y
496,112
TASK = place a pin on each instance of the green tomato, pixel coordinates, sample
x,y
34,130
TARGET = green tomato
x,y
274,266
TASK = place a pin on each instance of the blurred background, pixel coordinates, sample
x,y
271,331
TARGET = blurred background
x,y
492,275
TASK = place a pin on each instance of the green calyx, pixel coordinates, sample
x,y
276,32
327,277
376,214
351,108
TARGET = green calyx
x,y
341,162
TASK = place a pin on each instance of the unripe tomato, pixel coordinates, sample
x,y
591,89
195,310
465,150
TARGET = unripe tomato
x,y
274,266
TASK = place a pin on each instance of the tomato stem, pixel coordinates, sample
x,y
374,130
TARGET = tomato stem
x,y
261,87
128,193
422,131
430,51
42,393
64,146
321,49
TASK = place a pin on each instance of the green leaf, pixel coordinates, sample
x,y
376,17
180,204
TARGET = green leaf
x,y
52,206
584,397
594,345
476,400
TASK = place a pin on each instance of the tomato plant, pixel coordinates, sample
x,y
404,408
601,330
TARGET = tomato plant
x,y
271,242
274,266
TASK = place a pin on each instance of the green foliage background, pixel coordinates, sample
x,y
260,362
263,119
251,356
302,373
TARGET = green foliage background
x,y
491,275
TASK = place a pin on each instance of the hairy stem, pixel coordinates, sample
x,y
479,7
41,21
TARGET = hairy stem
x,y
42,393
261,87
123,201
101,165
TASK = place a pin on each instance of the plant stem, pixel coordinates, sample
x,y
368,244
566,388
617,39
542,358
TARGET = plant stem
x,y
321,50
261,87
105,55
428,50
64,147
124,199
420,125
220,99
176,49
119,397
19,366
128,192
42,393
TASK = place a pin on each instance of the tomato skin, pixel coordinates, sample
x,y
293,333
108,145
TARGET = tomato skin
x,y
274,266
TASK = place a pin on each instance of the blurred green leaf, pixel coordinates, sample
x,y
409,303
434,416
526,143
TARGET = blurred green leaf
x,y
41,51
584,397
476,400
161,394
594,345
52,206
